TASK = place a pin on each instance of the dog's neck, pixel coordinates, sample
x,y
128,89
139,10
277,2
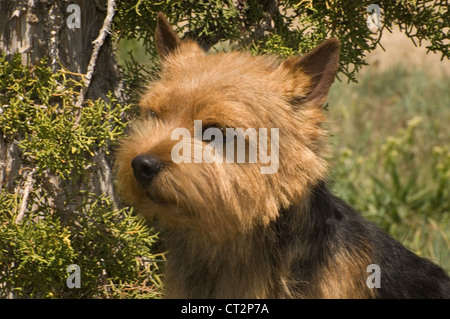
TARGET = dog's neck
x,y
298,234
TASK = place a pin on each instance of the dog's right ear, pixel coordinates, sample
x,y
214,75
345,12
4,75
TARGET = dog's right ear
x,y
166,39
318,67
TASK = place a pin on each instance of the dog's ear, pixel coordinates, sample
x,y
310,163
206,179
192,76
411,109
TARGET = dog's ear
x,y
320,65
166,39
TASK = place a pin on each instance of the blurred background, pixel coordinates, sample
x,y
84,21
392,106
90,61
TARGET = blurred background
x,y
391,138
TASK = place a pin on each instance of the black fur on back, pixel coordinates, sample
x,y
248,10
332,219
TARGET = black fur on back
x,y
330,224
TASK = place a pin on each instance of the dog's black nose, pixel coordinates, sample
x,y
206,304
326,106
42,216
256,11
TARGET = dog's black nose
x,y
145,168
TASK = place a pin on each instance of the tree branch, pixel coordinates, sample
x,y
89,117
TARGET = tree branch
x,y
104,31
26,192
105,177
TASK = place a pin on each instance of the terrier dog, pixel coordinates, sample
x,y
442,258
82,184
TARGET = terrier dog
x,y
232,229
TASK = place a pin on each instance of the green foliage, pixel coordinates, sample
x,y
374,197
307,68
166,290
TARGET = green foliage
x,y
287,27
121,244
40,107
33,255
112,246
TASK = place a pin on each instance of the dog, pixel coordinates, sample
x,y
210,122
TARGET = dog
x,y
235,225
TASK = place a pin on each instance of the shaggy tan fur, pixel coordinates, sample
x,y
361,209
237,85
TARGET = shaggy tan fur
x,y
218,218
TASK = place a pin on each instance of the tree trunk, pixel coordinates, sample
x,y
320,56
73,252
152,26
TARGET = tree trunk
x,y
39,28
42,28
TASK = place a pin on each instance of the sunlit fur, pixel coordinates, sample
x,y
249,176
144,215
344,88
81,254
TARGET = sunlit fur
x,y
207,199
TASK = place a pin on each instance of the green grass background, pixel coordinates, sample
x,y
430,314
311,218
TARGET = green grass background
x,y
390,158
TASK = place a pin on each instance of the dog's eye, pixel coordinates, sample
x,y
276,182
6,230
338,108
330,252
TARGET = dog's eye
x,y
222,129
214,126
150,114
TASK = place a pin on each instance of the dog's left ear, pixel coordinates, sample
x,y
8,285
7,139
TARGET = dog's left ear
x,y
320,65
166,39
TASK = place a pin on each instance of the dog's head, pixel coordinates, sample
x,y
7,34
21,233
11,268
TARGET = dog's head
x,y
226,140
